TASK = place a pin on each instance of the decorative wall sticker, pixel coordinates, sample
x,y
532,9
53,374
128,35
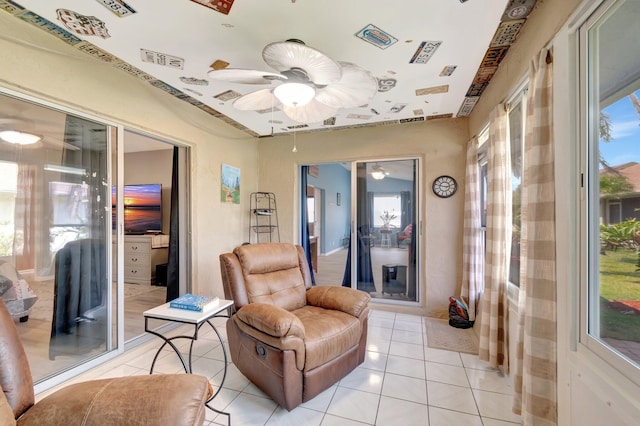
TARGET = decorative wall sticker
x,y
96,52
494,56
397,108
192,91
11,7
424,52
386,84
118,7
194,81
161,59
418,112
167,88
134,71
467,106
448,70
274,121
437,116
50,27
297,126
222,6
81,24
359,116
432,90
518,9
230,184
411,120
506,33
376,36
227,95
219,64
330,121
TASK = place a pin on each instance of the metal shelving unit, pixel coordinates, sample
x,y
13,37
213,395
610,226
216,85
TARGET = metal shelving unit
x,y
264,218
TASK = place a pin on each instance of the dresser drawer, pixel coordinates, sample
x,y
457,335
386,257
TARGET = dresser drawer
x,y
137,259
132,247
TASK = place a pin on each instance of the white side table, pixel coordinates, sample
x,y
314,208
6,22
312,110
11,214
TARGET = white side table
x,y
197,319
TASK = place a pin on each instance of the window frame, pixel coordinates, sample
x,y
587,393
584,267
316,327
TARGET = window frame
x,y
589,206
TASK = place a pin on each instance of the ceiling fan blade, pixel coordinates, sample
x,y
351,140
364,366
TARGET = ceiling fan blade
x,y
239,75
260,99
310,113
285,55
356,88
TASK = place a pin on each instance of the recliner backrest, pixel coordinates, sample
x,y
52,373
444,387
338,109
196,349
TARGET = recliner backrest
x,y
15,375
274,273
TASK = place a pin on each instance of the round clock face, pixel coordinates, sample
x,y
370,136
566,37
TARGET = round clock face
x,y
445,186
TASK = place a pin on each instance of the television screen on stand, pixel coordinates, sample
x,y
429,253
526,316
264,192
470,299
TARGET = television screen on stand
x,y
142,208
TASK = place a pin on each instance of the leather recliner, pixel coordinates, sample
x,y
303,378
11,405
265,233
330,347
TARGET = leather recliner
x,y
168,399
290,339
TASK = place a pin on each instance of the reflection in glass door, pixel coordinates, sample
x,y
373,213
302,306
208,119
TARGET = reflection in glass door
x,y
384,229
54,235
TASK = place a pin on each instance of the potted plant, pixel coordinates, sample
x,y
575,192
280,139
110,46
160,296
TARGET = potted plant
x,y
386,219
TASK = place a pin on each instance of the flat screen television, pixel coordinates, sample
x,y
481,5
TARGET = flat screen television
x,y
142,208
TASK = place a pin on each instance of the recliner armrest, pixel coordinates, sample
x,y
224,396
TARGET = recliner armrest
x,y
344,299
271,320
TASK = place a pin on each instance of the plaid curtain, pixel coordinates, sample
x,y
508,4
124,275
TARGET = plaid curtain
x,y
473,250
494,345
536,376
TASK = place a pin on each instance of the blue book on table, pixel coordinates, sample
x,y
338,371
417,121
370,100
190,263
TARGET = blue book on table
x,y
192,302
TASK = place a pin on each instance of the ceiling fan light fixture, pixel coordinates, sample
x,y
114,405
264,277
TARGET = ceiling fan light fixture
x,y
378,173
19,138
294,94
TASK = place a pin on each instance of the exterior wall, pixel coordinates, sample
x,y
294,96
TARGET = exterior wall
x,y
441,147
36,64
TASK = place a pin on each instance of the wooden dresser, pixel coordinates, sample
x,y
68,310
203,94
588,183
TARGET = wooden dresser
x,y
141,255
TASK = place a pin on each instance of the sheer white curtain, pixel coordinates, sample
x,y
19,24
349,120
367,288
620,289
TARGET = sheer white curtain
x,y
536,376
494,344
473,253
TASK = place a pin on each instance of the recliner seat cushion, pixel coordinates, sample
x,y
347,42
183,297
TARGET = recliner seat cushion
x,y
328,334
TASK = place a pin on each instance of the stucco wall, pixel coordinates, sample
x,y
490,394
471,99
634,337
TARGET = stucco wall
x,y
440,145
39,65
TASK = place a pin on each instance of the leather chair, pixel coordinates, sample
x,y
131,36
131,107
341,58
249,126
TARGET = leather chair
x,y
173,399
290,339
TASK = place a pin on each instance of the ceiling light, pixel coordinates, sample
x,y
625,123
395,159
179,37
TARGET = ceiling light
x,y
294,94
19,138
378,172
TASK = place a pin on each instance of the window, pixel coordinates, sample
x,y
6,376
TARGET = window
x,y
386,208
516,119
611,229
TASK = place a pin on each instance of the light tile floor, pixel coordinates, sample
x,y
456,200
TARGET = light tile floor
x,y
402,382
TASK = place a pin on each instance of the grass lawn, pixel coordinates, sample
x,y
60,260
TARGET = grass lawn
x,y
619,281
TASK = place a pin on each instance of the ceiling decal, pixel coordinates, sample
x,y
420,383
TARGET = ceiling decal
x,y
297,126
194,81
438,116
424,52
507,33
222,6
81,24
331,121
359,116
11,7
96,52
432,90
134,71
467,105
373,110
448,70
228,95
512,20
518,9
418,112
161,59
118,7
386,84
192,91
397,108
219,64
410,120
376,36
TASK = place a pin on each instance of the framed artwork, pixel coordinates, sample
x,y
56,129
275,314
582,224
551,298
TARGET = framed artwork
x,y
230,184
338,199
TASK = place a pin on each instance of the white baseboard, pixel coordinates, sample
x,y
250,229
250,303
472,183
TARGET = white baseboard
x,y
329,253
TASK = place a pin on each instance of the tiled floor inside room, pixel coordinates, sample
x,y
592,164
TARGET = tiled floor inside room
x,y
402,382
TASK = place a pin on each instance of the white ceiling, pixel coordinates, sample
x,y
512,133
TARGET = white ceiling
x,y
474,36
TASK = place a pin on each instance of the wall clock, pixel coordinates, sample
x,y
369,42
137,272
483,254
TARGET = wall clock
x,y
444,186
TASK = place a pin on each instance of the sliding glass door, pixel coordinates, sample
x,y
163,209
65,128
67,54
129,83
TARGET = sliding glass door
x,y
378,253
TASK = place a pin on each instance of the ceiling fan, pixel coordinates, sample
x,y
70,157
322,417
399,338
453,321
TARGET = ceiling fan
x,y
311,86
